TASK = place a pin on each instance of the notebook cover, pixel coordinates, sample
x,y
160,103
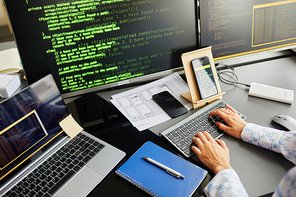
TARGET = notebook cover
x,y
157,181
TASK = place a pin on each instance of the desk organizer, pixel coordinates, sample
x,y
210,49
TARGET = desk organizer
x,y
193,94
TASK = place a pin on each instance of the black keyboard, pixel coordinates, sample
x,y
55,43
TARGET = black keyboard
x,y
47,178
181,134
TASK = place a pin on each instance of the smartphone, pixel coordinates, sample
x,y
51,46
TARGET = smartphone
x,y
204,77
169,104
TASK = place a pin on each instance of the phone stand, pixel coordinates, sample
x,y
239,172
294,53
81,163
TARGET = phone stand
x,y
193,94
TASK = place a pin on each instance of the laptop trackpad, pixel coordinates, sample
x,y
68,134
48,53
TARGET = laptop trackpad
x,y
85,180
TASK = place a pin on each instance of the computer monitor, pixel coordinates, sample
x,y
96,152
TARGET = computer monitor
x,y
90,45
238,28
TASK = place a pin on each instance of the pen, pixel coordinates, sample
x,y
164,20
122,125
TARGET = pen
x,y
167,169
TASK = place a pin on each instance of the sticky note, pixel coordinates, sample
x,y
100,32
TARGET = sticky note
x,y
70,126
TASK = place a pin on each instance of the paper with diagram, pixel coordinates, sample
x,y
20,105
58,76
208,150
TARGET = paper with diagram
x,y
139,108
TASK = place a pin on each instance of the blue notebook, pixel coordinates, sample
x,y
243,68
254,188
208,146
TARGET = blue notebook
x,y
156,181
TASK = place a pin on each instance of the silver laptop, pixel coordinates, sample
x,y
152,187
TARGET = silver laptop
x,y
37,158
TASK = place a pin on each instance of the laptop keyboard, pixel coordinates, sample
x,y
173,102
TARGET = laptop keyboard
x,y
46,179
181,134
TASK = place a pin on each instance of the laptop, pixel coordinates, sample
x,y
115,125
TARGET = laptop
x,y
37,158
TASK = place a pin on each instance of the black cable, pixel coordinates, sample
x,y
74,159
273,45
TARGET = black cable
x,y
224,69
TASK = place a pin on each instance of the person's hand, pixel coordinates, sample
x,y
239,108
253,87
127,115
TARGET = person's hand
x,y
213,153
235,123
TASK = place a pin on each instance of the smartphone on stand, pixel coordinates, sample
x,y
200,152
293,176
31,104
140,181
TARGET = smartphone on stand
x,y
204,77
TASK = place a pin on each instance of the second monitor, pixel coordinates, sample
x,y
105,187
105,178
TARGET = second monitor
x,y
236,28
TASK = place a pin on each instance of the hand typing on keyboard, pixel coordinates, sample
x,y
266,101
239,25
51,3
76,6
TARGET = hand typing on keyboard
x,y
234,123
214,153
181,134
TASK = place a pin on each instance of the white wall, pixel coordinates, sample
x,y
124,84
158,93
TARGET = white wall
x,y
3,20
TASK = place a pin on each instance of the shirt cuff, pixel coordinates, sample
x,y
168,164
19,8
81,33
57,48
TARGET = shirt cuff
x,y
225,183
264,137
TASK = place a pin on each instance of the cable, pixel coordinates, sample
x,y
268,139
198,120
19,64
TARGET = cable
x,y
229,71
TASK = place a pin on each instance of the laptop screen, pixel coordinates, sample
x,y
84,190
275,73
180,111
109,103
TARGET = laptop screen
x,y
29,120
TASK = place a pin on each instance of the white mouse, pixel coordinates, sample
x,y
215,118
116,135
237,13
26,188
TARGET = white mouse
x,y
285,121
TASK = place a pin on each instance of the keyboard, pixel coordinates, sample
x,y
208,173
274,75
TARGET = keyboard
x,y
47,178
181,134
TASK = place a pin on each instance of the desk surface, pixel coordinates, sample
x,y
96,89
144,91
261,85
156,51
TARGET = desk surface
x,y
253,164
260,170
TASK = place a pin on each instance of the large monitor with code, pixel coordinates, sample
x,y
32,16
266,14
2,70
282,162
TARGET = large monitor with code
x,y
89,45
235,28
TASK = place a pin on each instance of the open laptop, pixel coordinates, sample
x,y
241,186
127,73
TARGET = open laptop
x,y
37,158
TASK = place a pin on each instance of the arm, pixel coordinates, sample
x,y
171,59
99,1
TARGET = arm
x,y
287,186
279,141
283,142
215,155
225,183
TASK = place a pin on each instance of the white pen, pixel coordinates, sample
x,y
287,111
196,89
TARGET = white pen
x,y
167,169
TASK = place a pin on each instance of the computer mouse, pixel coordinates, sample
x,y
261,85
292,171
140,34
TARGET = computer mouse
x,y
285,121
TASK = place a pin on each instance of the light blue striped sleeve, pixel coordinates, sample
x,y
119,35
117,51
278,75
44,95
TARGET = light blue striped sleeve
x,y
287,186
226,183
283,142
